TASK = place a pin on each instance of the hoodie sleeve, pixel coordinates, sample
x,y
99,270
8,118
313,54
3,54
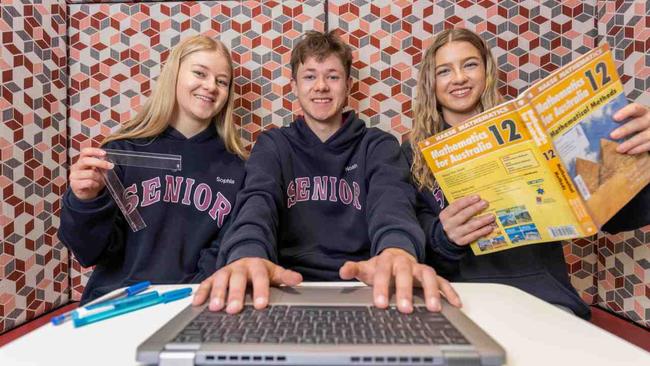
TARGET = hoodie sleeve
x,y
254,229
632,216
208,257
390,203
428,216
436,237
91,229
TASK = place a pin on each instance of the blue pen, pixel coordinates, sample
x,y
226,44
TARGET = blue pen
x,y
94,315
95,308
127,292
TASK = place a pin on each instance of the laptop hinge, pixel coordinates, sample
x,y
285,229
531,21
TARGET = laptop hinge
x,y
461,358
176,358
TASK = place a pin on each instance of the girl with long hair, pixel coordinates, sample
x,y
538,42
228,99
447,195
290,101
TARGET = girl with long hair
x,y
458,79
189,113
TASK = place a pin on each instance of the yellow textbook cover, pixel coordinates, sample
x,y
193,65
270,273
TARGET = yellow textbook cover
x,y
544,161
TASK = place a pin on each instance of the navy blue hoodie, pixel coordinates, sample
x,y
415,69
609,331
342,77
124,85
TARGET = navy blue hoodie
x,y
311,205
184,212
539,269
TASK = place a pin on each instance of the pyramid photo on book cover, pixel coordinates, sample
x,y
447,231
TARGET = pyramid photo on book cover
x,y
595,166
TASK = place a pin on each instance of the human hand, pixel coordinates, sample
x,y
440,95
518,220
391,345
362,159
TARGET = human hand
x,y
233,279
637,126
86,180
397,266
460,223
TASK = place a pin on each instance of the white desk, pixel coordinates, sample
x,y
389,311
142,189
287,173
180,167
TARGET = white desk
x,y
531,331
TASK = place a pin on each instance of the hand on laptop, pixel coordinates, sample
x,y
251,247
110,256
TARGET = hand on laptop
x,y
233,279
398,266
637,128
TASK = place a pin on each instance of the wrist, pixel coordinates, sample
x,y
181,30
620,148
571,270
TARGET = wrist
x,y
398,252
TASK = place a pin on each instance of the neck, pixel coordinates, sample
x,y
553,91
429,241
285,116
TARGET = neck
x,y
455,119
325,130
189,128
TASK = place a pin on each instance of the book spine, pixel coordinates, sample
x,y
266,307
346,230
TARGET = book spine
x,y
584,220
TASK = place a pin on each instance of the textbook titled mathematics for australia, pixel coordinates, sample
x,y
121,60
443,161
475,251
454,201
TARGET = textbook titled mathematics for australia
x,y
544,161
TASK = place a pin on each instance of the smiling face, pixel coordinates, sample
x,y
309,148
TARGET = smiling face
x,y
322,88
202,88
460,80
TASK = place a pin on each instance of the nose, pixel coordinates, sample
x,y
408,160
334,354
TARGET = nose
x,y
209,85
459,76
321,84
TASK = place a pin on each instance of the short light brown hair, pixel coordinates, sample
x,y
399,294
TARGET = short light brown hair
x,y
320,46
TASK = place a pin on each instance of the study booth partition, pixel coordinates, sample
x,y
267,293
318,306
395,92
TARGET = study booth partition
x,y
73,71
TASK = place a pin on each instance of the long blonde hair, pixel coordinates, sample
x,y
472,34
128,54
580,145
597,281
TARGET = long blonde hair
x,y
155,115
427,119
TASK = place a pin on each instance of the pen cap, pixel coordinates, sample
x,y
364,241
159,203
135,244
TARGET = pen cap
x,y
60,319
138,287
176,294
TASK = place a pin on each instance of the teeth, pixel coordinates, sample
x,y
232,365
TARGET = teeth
x,y
460,92
325,100
202,97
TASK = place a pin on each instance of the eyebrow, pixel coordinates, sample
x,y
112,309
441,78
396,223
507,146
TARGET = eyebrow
x,y
204,67
328,70
462,61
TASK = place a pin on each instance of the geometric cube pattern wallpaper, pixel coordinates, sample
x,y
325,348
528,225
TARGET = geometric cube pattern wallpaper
x,y
624,275
582,262
33,263
67,88
625,25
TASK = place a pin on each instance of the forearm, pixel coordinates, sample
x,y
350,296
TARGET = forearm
x,y
88,228
392,221
254,228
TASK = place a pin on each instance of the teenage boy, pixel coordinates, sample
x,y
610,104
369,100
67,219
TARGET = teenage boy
x,y
326,197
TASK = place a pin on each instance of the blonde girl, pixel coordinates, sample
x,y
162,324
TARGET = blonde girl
x,y
188,114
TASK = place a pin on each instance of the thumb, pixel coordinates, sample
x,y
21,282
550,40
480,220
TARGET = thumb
x,y
349,270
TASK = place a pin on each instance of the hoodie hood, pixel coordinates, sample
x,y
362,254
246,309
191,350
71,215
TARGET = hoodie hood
x,y
350,133
208,133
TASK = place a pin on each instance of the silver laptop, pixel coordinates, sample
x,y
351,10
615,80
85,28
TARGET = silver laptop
x,y
321,326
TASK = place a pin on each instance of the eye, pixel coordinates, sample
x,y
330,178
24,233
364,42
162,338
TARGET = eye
x,y
198,73
223,82
442,72
334,77
309,77
471,64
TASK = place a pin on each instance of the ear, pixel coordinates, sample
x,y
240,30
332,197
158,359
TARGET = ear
x,y
294,86
348,89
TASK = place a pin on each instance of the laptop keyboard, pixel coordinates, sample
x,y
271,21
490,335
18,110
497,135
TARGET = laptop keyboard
x,y
322,325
